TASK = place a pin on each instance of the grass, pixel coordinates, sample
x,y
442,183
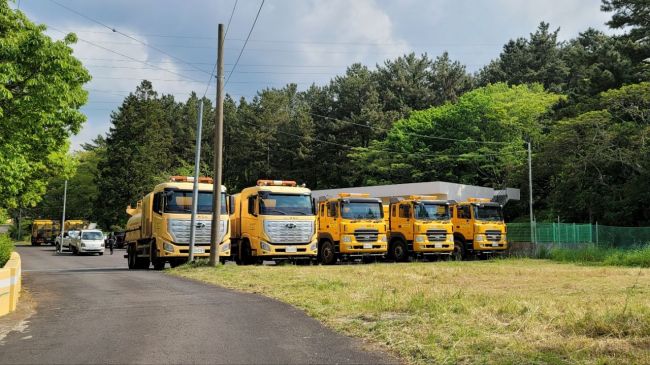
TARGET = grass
x,y
509,311
638,257
6,248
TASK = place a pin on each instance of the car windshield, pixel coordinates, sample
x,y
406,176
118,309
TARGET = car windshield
x,y
92,236
180,201
73,233
285,204
362,210
429,211
488,213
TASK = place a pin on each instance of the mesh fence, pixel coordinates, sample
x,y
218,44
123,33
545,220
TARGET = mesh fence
x,y
571,234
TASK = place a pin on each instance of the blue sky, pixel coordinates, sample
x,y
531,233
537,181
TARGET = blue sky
x,y
301,41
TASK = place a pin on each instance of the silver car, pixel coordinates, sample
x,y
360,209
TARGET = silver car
x,y
88,241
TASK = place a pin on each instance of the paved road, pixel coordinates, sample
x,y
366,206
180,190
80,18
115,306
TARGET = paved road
x,y
91,309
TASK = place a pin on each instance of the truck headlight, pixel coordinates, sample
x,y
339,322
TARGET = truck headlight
x,y
382,238
168,247
265,246
480,237
450,238
347,238
419,238
313,246
225,247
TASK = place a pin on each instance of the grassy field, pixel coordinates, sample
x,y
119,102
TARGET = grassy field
x,y
635,257
509,311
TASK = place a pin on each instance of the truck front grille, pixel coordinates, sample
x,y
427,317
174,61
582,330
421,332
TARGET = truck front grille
x,y
180,230
493,235
366,235
289,232
437,235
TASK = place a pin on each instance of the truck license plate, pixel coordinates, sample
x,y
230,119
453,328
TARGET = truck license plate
x,y
367,245
495,245
199,250
438,245
291,249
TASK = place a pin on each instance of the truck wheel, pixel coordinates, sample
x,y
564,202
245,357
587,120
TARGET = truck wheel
x,y
246,254
158,264
458,253
130,258
327,253
398,251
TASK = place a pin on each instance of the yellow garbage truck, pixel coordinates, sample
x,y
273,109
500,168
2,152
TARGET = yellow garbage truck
x,y
44,231
350,226
274,220
159,228
479,228
420,226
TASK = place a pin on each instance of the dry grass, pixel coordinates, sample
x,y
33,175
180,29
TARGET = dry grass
x,y
501,311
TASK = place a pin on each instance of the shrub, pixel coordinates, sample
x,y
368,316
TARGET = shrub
x,y
639,257
6,247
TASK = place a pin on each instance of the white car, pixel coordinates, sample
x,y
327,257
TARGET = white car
x,y
67,238
88,241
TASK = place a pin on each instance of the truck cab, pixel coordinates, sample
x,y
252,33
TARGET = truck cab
x,y
420,226
273,220
44,231
159,228
349,226
479,228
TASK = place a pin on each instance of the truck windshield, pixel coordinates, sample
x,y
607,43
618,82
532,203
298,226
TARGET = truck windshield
x,y
488,213
285,204
92,236
362,210
180,201
429,211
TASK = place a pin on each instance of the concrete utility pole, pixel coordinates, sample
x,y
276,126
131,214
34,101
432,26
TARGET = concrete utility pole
x,y
65,198
530,195
218,138
195,187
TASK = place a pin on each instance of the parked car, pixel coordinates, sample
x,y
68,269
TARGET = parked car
x,y
88,241
67,238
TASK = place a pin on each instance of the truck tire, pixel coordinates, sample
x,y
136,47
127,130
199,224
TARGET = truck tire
x,y
130,258
158,264
459,251
398,251
246,254
327,253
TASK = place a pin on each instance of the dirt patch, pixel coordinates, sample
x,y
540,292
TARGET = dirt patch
x,y
19,319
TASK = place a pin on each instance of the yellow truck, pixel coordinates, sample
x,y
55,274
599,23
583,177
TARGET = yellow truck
x,y
273,220
479,229
74,224
350,226
44,231
159,228
420,226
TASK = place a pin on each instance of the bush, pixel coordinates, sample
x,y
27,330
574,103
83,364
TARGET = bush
x,y
639,257
6,247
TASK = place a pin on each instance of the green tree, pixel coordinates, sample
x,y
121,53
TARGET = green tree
x,y
40,96
529,61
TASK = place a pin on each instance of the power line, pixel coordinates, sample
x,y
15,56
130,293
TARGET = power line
x,y
125,56
410,133
245,42
238,72
368,148
125,35
214,68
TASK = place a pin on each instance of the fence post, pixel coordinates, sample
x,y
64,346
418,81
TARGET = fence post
x,y
575,237
597,243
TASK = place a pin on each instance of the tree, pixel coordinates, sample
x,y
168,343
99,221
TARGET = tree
x,y
633,14
529,61
40,96
432,144
596,166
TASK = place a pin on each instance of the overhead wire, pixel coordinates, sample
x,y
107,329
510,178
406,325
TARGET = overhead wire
x,y
114,30
371,149
245,42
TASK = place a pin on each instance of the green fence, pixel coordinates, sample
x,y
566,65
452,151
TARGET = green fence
x,y
568,234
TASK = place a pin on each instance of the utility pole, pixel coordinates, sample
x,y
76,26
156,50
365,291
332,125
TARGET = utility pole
x,y
530,195
65,198
218,138
195,187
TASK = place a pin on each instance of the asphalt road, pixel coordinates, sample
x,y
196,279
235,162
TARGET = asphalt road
x,y
92,309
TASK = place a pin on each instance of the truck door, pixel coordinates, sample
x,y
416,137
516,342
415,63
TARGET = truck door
x,y
333,220
405,220
463,222
156,215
